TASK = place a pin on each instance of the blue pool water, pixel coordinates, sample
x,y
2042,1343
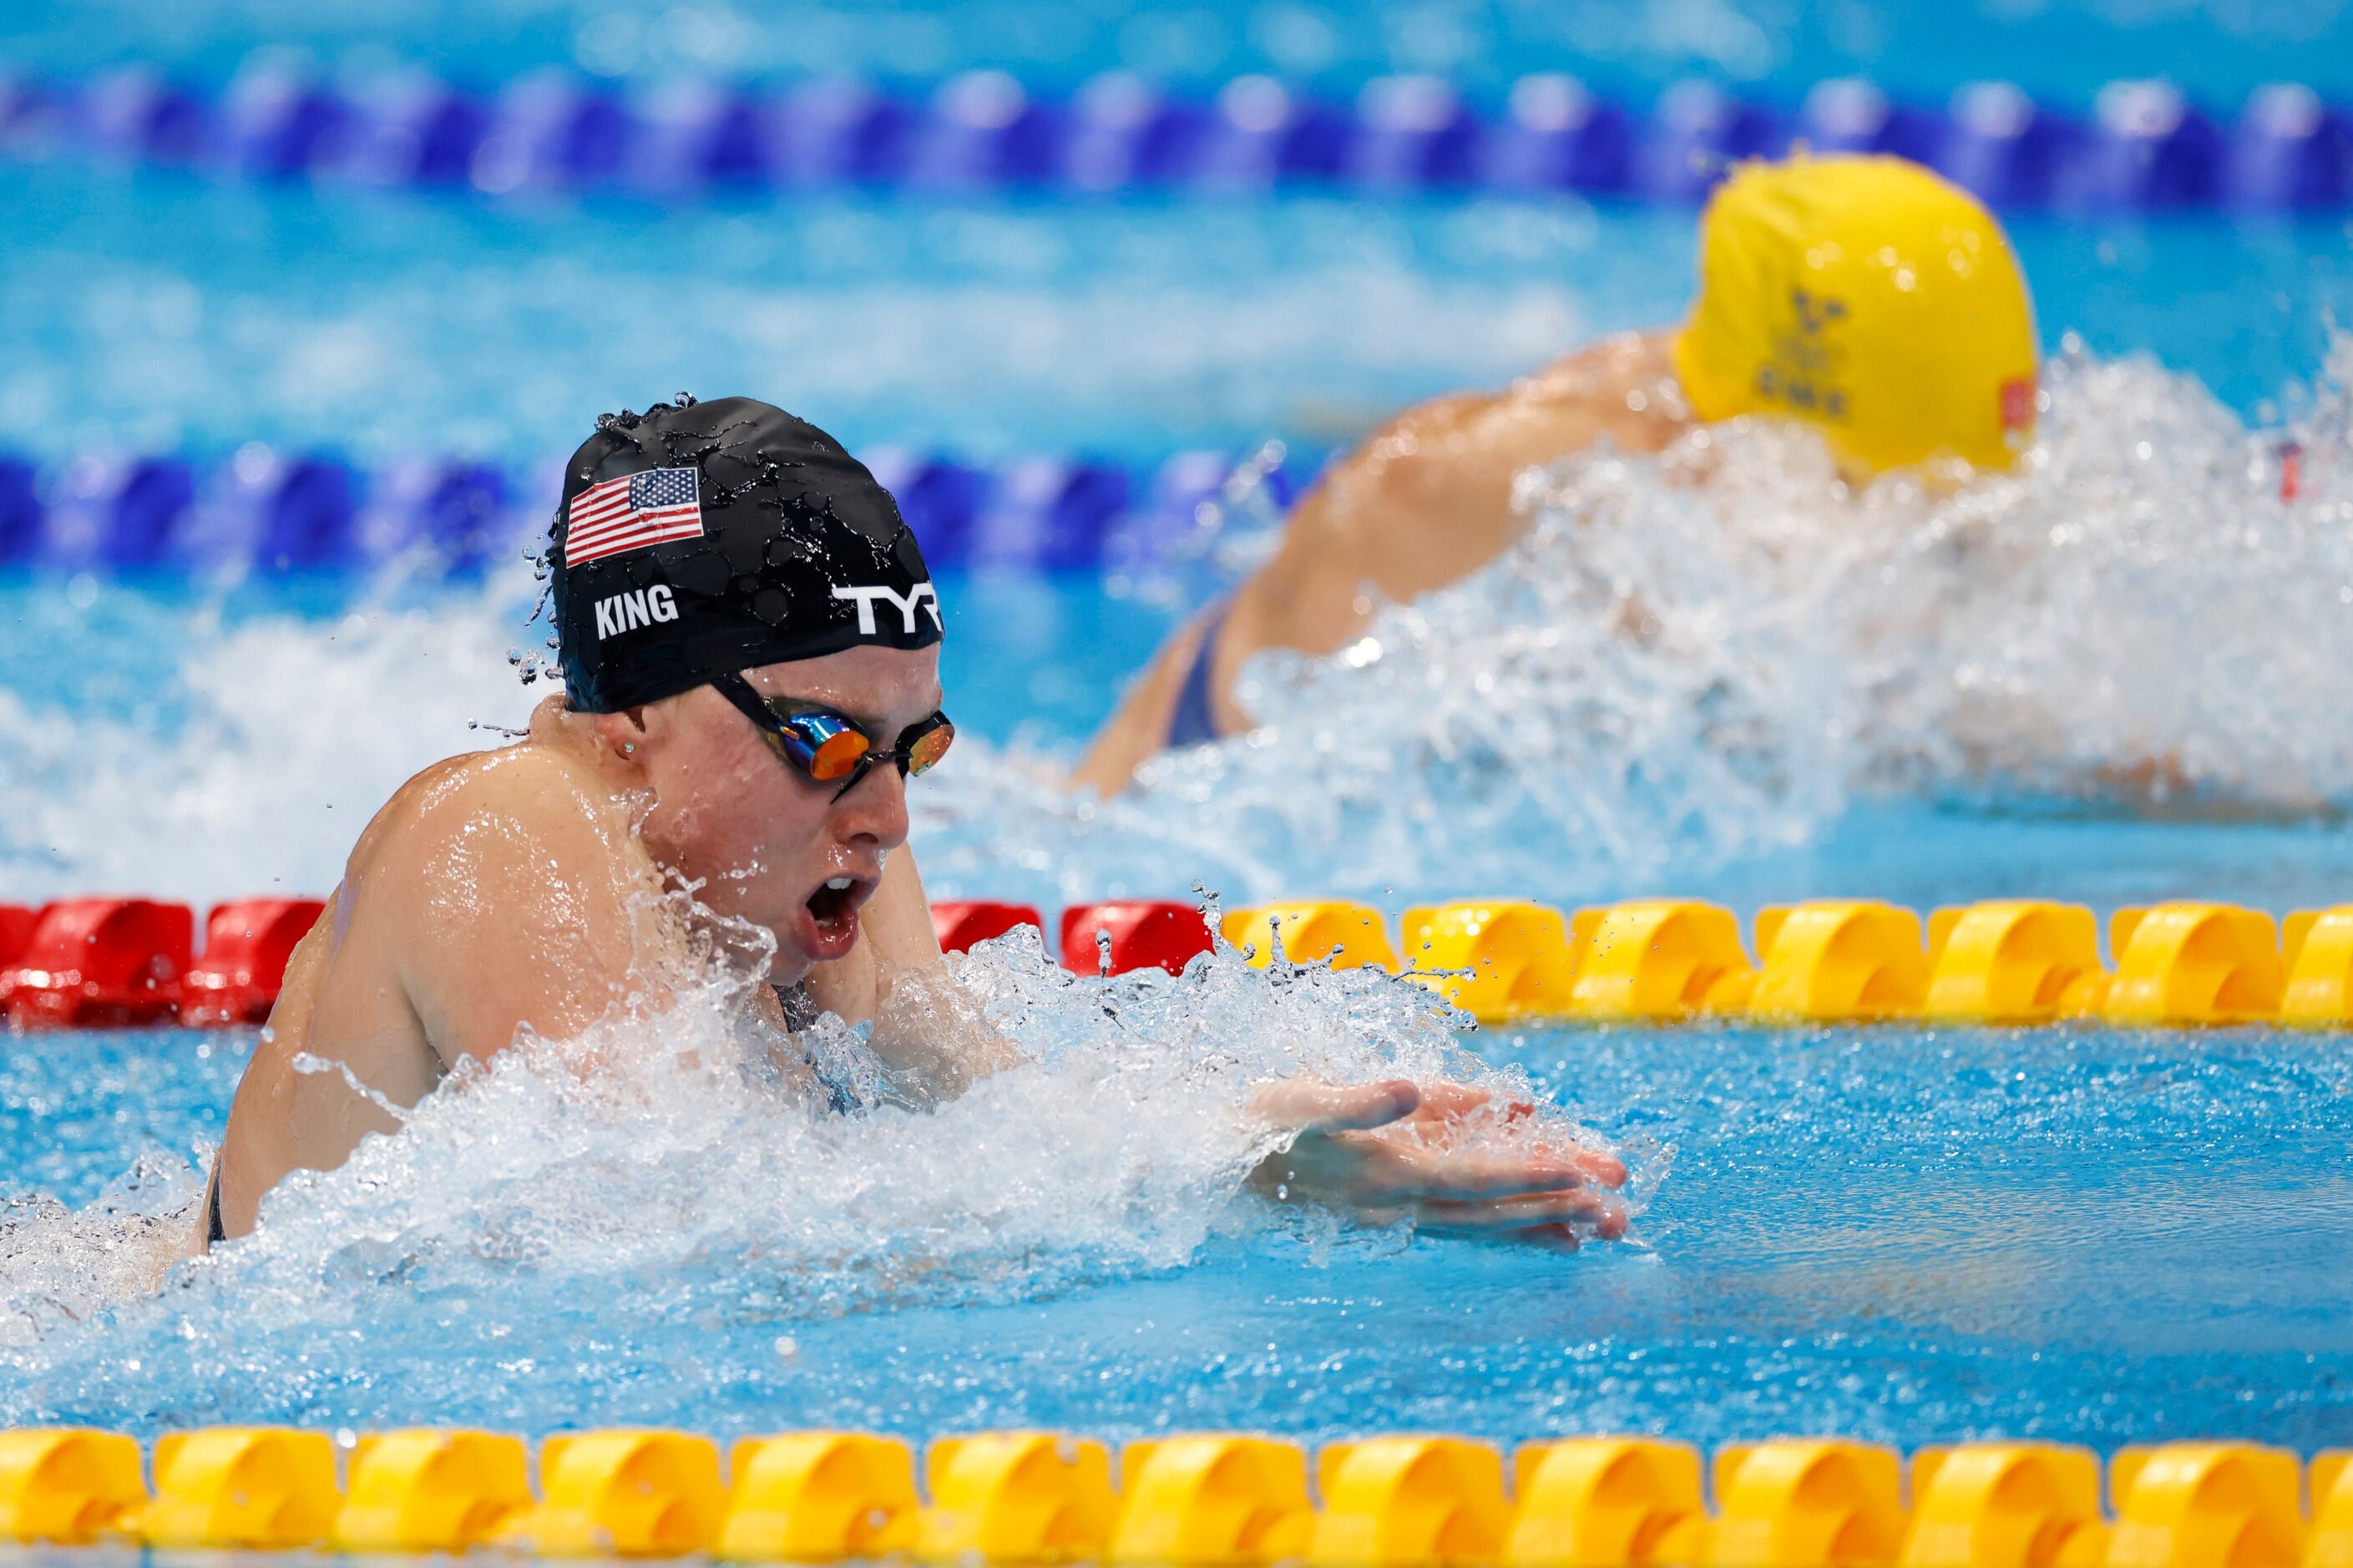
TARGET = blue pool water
x,y
162,313
1897,1233
2061,50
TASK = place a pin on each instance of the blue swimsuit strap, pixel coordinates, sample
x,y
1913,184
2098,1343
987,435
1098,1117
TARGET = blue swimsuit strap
x,y
1194,721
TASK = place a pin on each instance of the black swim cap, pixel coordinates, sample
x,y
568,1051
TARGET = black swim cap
x,y
698,538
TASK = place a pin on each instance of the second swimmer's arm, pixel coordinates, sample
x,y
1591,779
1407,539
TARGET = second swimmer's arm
x,y
1373,523
1422,502
1427,499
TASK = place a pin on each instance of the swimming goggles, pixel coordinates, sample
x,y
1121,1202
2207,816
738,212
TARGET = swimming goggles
x,y
828,747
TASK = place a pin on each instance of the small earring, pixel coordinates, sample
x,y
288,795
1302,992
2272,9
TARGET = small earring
x,y
628,748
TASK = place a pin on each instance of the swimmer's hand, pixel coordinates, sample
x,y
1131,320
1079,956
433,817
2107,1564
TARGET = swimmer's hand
x,y
1399,1150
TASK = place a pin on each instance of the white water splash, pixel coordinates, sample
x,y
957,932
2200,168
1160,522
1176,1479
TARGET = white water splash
x,y
274,743
62,1267
619,1176
1702,655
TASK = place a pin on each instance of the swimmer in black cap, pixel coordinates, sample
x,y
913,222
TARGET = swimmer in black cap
x,y
749,642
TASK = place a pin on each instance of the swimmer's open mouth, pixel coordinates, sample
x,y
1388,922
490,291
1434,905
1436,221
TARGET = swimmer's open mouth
x,y
836,902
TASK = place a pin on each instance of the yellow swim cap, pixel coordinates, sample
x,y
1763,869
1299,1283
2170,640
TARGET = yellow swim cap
x,y
1869,296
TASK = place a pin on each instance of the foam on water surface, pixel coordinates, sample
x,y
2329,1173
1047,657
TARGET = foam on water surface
x,y
169,316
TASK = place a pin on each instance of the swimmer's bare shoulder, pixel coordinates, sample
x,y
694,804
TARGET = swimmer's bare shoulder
x,y
492,889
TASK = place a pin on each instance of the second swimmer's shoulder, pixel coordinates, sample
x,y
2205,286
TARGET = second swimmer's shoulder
x,y
1604,368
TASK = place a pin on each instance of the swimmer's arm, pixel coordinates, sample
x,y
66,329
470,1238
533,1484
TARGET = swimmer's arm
x,y
530,903
926,1025
1314,595
1422,502
1427,499
481,899
287,1117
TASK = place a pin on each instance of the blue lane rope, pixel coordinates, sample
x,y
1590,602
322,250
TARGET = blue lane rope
x,y
2143,147
295,512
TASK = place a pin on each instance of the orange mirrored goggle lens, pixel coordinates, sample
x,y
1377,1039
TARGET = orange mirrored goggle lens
x,y
929,747
837,756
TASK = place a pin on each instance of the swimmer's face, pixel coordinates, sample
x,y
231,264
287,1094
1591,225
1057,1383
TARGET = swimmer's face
x,y
768,843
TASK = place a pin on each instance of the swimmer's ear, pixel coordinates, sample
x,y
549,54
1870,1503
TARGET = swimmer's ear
x,y
622,731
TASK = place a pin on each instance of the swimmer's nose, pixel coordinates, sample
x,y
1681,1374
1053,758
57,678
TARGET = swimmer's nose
x,y
874,811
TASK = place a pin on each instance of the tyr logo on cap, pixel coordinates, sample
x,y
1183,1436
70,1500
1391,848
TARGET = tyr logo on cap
x,y
915,598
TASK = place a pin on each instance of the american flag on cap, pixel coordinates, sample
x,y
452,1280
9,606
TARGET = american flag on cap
x,y
633,512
